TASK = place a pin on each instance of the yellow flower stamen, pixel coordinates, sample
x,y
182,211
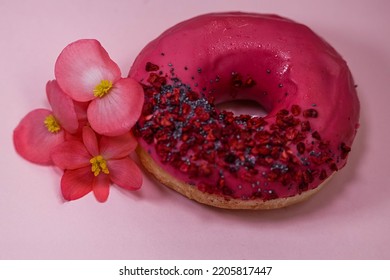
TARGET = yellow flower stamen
x,y
99,164
52,124
103,88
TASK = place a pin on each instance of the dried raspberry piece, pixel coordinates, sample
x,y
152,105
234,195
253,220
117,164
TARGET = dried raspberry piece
x,y
256,122
237,144
148,136
286,155
202,114
305,126
291,133
260,150
310,113
308,177
316,135
275,152
286,179
301,147
295,110
277,139
192,96
175,159
303,186
299,138
323,145
283,112
163,135
249,83
227,191
163,150
184,167
262,137
323,175
236,80
344,150
221,182
272,176
165,121
332,164
209,156
151,67
156,80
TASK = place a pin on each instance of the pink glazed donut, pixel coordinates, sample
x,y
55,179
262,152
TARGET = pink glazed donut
x,y
242,161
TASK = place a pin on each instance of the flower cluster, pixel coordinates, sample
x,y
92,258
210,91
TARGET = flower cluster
x,y
87,132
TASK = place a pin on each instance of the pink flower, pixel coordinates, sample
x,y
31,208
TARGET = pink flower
x,y
91,165
42,129
85,72
89,99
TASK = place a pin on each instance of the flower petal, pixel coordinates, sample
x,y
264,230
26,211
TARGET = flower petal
x,y
117,147
90,141
125,173
76,183
71,154
81,111
101,187
33,141
118,111
81,66
62,106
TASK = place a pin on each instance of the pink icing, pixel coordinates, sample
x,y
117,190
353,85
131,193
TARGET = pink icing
x,y
274,61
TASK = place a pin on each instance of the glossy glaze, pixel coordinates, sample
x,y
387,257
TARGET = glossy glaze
x,y
273,61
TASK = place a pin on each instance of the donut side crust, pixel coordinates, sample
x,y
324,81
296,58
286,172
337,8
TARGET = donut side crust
x,y
193,193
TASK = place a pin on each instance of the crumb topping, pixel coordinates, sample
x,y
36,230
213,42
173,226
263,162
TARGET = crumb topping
x,y
189,133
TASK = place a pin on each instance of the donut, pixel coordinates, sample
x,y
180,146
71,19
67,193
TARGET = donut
x,y
243,161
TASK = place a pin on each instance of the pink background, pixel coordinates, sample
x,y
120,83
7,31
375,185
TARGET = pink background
x,y
349,219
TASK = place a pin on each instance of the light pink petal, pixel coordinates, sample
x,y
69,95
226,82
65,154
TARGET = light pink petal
x,y
125,173
118,111
62,106
71,154
81,111
81,66
33,141
76,183
78,136
118,146
90,141
101,187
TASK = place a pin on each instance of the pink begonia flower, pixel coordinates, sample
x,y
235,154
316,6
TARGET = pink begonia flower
x,y
42,129
85,72
92,164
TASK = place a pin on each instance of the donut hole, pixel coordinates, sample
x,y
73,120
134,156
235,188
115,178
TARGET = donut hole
x,y
243,107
